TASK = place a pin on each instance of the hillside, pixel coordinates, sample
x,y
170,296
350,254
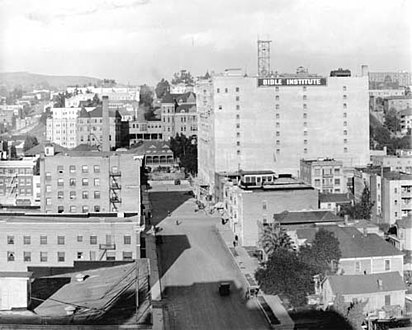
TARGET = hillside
x,y
29,81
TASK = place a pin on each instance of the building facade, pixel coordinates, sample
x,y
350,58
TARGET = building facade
x,y
395,163
19,182
59,241
82,182
405,117
397,102
247,210
89,127
326,175
179,115
143,130
61,126
402,77
252,123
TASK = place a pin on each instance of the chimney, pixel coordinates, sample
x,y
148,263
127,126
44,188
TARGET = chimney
x,y
365,70
106,124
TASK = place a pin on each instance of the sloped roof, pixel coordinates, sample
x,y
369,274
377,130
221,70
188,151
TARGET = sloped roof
x,y
335,198
186,108
354,244
97,113
180,98
361,284
155,148
85,147
39,149
306,217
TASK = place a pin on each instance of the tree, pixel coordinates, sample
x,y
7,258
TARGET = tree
x,y
323,254
274,237
29,142
284,273
352,312
185,150
162,88
183,76
146,96
13,152
360,210
392,122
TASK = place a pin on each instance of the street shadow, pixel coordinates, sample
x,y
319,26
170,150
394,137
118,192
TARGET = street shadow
x,y
165,202
201,304
170,248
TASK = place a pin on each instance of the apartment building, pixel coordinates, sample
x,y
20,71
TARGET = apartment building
x,y
89,127
395,163
253,123
82,182
61,126
405,117
397,102
402,77
19,182
326,175
144,130
396,196
40,240
179,115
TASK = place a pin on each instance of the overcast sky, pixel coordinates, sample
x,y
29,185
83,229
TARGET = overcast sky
x,y
141,41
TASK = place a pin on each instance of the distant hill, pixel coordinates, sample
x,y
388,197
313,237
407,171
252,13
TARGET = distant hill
x,y
29,81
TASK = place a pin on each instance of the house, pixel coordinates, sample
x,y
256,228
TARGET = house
x,y
362,253
380,291
335,202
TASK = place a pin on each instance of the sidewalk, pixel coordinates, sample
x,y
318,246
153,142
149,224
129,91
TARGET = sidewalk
x,y
247,266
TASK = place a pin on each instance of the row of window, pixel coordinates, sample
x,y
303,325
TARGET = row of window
x,y
61,256
72,183
84,169
19,191
74,208
72,194
16,170
11,239
237,89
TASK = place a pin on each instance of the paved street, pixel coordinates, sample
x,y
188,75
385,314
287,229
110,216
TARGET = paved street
x,y
193,263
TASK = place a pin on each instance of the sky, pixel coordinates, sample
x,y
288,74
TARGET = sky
x,y
142,41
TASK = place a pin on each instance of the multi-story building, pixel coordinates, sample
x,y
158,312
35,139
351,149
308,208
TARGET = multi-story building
x,y
19,182
41,240
326,175
402,77
143,130
397,102
179,115
395,163
61,126
405,117
396,196
82,182
181,88
384,93
76,100
250,205
89,127
253,123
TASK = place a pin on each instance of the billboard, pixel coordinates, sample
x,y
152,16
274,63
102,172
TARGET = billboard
x,y
296,81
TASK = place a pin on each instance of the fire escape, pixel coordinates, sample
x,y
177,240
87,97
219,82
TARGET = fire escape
x,y
12,185
115,187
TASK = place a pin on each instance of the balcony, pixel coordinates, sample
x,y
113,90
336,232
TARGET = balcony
x,y
115,186
115,199
107,246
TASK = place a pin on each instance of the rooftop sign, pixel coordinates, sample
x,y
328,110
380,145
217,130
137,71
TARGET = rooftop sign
x,y
269,82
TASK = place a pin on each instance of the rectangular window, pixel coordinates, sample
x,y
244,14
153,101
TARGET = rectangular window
x,y
43,256
85,169
96,182
387,300
127,255
72,169
48,176
11,256
92,255
357,266
60,240
337,171
85,209
317,182
337,181
26,240
10,239
48,201
43,239
72,182
264,205
60,195
79,238
60,182
26,256
80,255
387,264
127,239
93,239
96,208
60,256
97,195
85,195
85,182
60,169
110,256
96,168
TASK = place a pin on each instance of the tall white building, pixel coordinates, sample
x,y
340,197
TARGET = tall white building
x,y
61,126
253,123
